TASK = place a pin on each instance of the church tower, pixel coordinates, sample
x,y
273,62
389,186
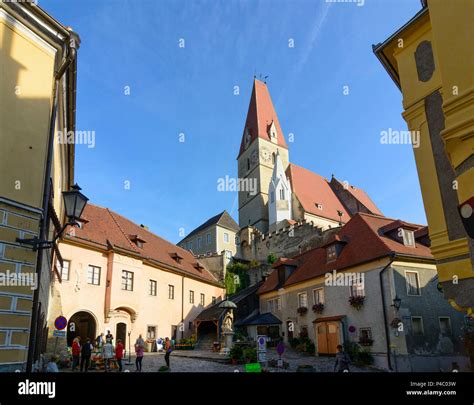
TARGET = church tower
x,y
262,140
279,191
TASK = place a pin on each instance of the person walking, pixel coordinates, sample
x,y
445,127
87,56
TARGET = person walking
x,y
109,336
139,349
168,350
342,360
100,340
107,354
86,353
76,352
119,354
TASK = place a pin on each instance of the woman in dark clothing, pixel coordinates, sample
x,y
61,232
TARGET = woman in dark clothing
x,y
86,352
168,351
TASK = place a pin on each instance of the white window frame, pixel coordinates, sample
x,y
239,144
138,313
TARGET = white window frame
x,y
299,299
357,288
170,291
62,268
321,290
226,237
208,238
408,237
199,242
331,253
153,288
408,285
191,296
202,299
278,304
126,284
89,267
422,325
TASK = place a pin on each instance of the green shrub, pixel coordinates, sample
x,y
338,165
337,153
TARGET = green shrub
x,y
250,355
236,353
294,342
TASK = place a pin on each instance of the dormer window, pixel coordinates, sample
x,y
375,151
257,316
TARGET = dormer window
x,y
176,257
408,237
331,253
272,132
319,206
137,240
198,266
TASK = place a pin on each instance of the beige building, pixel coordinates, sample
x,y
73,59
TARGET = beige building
x,y
37,98
215,236
373,284
119,276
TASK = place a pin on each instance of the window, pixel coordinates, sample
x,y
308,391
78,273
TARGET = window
x,y
282,194
203,299
153,287
93,275
190,245
171,292
64,270
445,325
237,240
278,304
272,197
413,283
228,254
365,334
208,237
139,243
318,296
127,280
357,285
331,253
199,243
319,206
191,297
408,237
417,325
226,237
214,300
190,325
270,306
303,300
273,159
151,332
248,164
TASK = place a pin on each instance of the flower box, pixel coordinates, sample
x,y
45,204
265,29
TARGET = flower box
x,y
318,308
357,301
302,310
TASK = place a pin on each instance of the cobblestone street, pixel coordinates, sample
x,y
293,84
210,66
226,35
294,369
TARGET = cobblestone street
x,y
204,361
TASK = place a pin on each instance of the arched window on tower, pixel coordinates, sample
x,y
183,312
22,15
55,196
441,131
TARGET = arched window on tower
x,y
282,194
248,164
273,157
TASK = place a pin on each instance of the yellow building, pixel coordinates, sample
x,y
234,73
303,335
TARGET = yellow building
x,y
431,60
37,97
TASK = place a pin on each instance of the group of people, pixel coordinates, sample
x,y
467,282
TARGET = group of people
x,y
81,354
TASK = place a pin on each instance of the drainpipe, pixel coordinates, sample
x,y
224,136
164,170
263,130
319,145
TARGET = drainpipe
x,y
70,47
387,330
182,307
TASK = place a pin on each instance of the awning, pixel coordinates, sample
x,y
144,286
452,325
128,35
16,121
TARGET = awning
x,y
329,318
260,320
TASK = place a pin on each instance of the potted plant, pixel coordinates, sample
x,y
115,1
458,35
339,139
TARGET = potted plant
x,y
318,308
302,310
236,354
357,301
250,355
395,323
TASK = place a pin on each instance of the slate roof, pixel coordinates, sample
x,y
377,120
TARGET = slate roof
x,y
223,219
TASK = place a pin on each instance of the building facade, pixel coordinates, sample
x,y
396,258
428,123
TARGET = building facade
x,y
438,107
120,277
347,290
37,88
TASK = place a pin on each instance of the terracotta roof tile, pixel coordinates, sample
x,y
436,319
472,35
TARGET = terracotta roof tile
x,y
364,242
312,189
105,226
260,116
363,198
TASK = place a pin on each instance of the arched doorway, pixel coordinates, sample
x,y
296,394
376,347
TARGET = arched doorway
x,y
121,333
81,324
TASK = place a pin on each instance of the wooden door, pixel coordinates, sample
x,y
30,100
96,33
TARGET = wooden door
x,y
322,338
333,337
328,337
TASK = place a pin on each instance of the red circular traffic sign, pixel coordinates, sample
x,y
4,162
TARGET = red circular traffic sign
x,y
60,323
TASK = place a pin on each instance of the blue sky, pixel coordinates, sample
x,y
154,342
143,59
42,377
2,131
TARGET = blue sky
x,y
190,90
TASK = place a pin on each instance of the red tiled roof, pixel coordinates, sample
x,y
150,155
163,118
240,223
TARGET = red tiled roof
x,y
260,115
363,198
312,189
365,242
105,226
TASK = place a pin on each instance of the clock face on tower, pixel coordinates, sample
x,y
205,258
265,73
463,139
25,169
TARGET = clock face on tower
x,y
265,154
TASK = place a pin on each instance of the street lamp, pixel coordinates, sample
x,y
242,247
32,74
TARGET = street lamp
x,y
74,204
397,302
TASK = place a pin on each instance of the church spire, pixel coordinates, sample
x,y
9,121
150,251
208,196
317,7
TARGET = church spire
x,y
262,120
279,190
